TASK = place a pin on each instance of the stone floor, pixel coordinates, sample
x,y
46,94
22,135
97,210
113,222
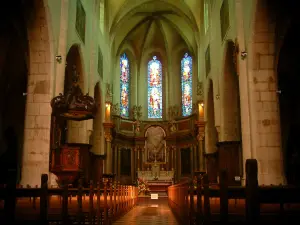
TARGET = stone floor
x,y
149,212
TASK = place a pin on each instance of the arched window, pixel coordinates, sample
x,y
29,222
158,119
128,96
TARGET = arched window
x,y
154,89
186,84
124,85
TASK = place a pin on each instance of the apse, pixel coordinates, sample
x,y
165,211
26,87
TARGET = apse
x,y
154,46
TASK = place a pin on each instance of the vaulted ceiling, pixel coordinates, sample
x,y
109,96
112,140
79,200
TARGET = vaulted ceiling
x,y
162,24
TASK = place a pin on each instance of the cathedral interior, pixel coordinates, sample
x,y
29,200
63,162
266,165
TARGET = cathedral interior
x,y
159,90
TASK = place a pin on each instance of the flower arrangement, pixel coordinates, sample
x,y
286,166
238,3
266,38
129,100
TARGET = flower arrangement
x,y
143,186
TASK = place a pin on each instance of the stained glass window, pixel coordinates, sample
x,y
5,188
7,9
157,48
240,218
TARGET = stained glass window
x,y
124,85
154,89
186,84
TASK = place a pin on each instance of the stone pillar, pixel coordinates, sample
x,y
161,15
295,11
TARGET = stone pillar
x,y
116,160
167,159
119,163
196,161
108,149
135,159
141,159
200,138
132,164
138,159
173,158
36,145
192,159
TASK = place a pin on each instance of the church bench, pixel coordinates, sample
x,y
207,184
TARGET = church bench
x,y
45,204
225,202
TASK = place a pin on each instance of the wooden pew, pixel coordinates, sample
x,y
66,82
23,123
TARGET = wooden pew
x,y
248,199
107,201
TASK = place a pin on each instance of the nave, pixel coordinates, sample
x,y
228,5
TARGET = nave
x,y
149,212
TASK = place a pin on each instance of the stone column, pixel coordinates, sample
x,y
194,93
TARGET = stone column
x,y
200,138
135,159
132,164
119,163
196,161
116,160
138,159
167,159
142,158
192,159
172,158
108,152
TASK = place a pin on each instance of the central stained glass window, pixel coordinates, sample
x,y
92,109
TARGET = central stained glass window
x,y
186,84
124,86
154,89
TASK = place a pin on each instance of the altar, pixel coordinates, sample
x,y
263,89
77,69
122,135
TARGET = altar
x,y
158,179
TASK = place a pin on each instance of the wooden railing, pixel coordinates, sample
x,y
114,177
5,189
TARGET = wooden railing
x,y
200,203
101,203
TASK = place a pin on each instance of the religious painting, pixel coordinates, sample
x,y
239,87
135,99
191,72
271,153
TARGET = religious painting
x,y
155,145
124,85
154,89
224,17
80,20
100,63
186,84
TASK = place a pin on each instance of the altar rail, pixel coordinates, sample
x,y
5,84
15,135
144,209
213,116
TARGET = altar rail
x,y
99,204
200,203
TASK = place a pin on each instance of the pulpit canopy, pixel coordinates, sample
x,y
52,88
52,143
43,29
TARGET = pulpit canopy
x,y
73,105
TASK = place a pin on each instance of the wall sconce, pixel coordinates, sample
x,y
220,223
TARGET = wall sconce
x,y
107,104
58,58
243,55
217,96
200,110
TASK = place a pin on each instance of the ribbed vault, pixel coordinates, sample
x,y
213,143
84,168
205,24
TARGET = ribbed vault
x,y
146,24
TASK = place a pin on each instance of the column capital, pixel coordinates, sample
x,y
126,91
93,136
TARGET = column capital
x,y
108,137
107,131
200,136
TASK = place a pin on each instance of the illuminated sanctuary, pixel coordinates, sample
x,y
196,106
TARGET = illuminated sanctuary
x,y
154,89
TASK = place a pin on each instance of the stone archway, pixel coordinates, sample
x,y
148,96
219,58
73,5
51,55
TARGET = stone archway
x,y
288,85
25,67
76,130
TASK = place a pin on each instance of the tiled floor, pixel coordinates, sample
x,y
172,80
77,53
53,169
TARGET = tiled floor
x,y
149,212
